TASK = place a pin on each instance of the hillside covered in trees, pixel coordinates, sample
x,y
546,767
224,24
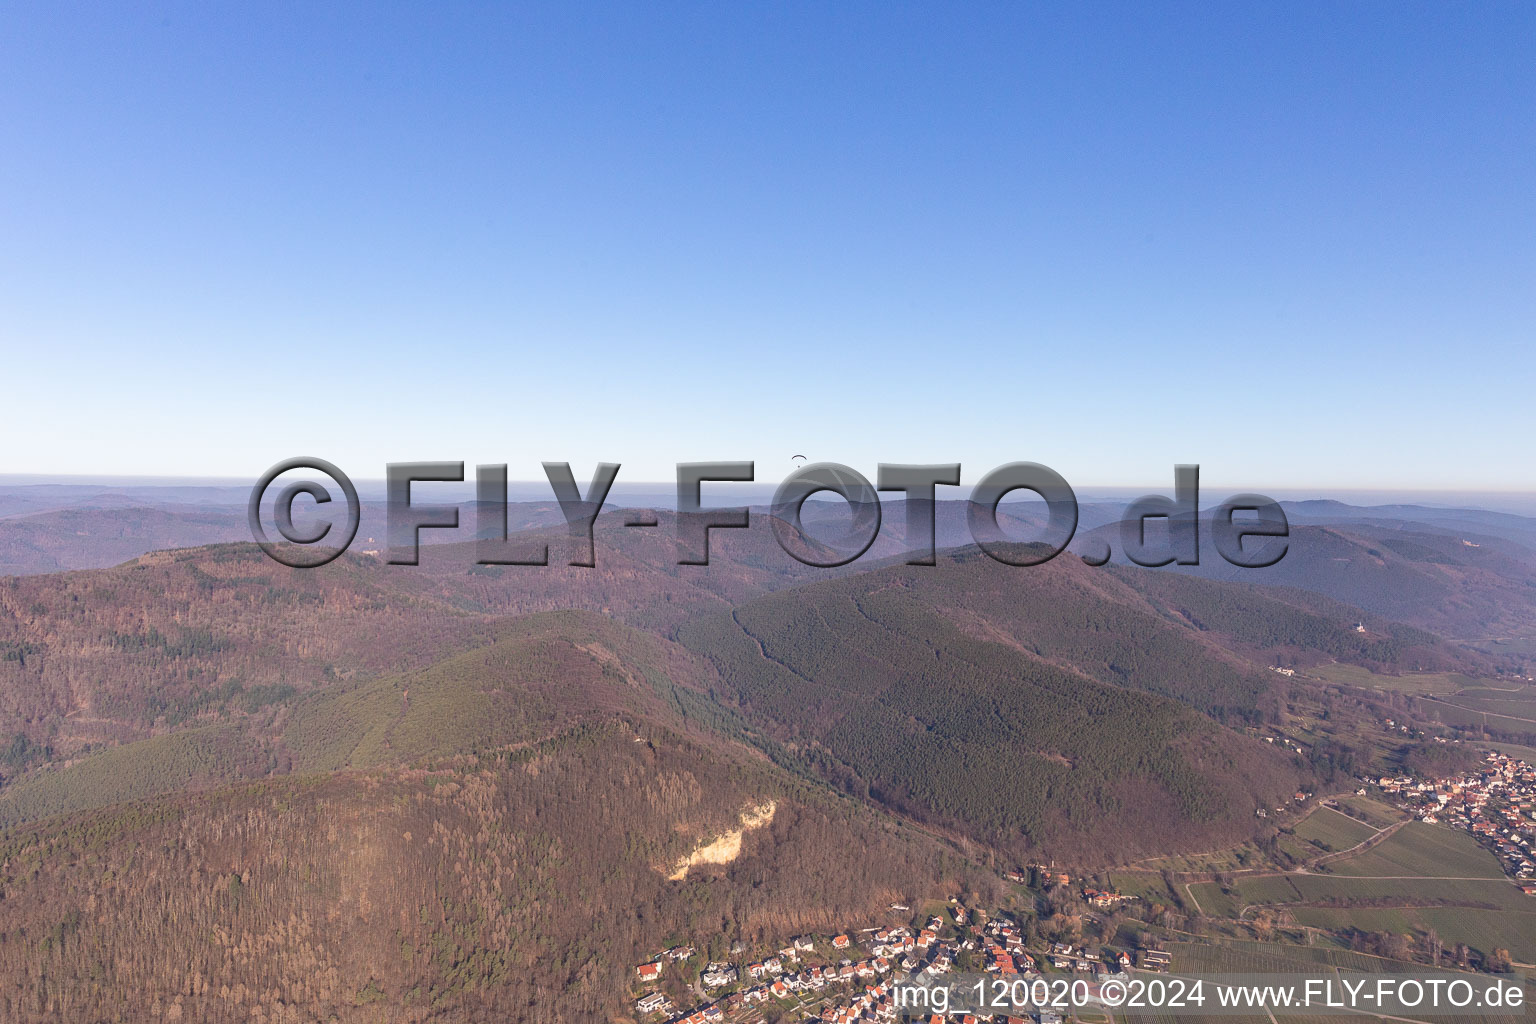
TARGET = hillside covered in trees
x,y
232,790
978,700
521,884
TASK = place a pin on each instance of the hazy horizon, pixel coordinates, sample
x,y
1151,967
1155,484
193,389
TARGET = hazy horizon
x,y
660,491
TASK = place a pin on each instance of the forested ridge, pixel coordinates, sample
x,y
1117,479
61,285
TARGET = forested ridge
x,y
237,791
512,885
539,675
176,638
1297,623
886,683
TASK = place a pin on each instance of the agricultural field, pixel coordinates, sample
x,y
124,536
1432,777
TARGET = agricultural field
x,y
1372,812
1213,902
1145,885
1238,956
1323,831
1483,930
1202,958
1218,860
1490,893
1326,955
1330,831
1507,707
1272,890
1421,878
1425,851
1267,889
1509,700
1408,682
1296,849
1242,957
1451,714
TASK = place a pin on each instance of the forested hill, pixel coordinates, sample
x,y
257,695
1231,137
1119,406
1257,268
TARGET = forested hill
x,y
391,772
499,835
1461,586
1291,626
213,653
183,638
517,885
1045,709
539,676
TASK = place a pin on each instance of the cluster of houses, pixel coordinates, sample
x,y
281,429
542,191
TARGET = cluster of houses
x,y
1103,898
848,979
1496,803
869,978
842,979
1099,964
1094,897
652,970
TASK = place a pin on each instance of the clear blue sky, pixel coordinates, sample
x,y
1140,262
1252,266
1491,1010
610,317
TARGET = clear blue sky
x,y
1294,243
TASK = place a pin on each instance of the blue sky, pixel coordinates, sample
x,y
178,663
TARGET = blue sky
x,y
1293,243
